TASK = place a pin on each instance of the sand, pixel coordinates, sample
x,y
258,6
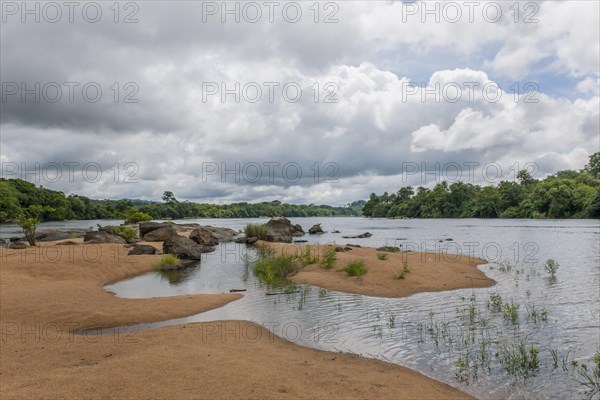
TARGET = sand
x,y
429,272
47,294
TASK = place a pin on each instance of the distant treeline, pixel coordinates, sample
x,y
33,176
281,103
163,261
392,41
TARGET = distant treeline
x,y
567,194
17,196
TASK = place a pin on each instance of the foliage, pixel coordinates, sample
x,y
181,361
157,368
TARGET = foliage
x,y
256,230
29,219
274,269
566,194
167,259
133,216
382,256
356,268
329,257
551,266
128,233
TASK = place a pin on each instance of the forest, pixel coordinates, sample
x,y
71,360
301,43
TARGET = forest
x,y
566,194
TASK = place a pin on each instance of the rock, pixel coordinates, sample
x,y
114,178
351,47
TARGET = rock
x,y
300,241
316,230
139,249
181,265
15,239
297,231
204,236
449,240
339,249
251,240
160,234
51,235
352,245
335,231
279,229
361,236
389,249
67,243
97,237
149,226
185,248
222,234
18,245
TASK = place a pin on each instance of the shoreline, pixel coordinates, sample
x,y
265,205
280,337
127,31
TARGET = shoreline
x,y
42,303
429,272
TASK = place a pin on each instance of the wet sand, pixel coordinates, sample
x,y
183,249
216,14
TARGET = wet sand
x,y
49,293
429,272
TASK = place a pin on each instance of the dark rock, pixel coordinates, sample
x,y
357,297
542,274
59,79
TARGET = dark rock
x,y
353,245
140,249
300,241
97,237
185,248
204,236
361,236
2,242
51,235
335,231
251,240
67,243
222,234
15,239
18,245
340,249
449,240
297,231
160,234
316,230
279,229
389,249
149,226
182,264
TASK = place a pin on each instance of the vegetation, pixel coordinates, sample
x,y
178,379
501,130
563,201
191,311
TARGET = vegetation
x,y
382,256
167,259
29,219
588,376
128,233
274,269
566,194
405,267
16,195
308,257
258,231
329,257
356,268
551,266
399,275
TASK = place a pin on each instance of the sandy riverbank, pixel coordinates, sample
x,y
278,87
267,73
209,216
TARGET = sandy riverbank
x,y
429,272
48,292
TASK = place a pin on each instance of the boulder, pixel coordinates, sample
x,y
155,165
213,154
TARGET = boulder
x,y
316,230
389,249
15,239
335,231
67,243
18,245
222,234
298,231
251,240
182,264
185,248
139,249
279,229
149,226
51,235
97,237
202,235
160,234
361,236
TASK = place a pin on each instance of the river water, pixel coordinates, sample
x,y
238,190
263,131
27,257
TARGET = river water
x,y
457,336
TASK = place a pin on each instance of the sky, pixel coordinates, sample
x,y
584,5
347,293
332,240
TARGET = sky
x,y
303,102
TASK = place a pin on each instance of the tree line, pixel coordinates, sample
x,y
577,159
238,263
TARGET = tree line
x,y
19,197
566,194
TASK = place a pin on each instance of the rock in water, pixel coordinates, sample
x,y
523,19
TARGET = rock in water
x,y
204,236
185,248
98,237
160,234
316,230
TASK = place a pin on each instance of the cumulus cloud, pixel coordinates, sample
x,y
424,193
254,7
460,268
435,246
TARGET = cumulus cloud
x,y
216,114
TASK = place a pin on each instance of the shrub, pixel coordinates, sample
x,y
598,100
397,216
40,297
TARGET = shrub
x,y
405,267
126,232
399,276
167,259
256,230
307,257
382,256
551,267
356,268
329,257
133,216
274,269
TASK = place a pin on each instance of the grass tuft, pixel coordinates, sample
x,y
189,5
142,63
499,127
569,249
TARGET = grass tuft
x,y
355,268
167,259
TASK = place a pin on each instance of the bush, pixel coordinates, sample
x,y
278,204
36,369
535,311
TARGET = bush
x,y
356,268
29,226
382,256
126,232
274,269
133,216
167,259
329,257
307,257
256,230
551,267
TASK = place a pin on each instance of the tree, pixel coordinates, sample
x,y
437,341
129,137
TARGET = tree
x,y
593,166
29,220
169,198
